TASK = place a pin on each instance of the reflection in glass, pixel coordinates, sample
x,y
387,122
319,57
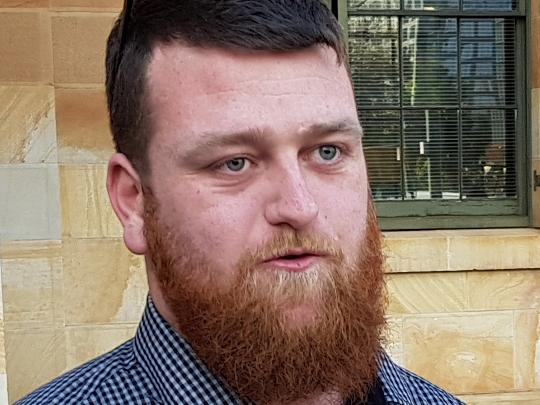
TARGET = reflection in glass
x,y
431,154
429,52
489,154
431,5
438,109
487,62
489,5
374,57
372,4
383,152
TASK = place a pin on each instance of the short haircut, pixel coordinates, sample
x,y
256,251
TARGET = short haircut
x,y
266,25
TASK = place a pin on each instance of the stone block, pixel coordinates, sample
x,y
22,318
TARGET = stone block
x,y
2,351
427,293
393,338
498,290
103,282
415,251
535,51
3,389
29,202
79,41
464,353
32,284
494,250
26,44
1,294
3,371
83,126
84,343
83,5
24,3
527,350
503,398
535,8
27,127
34,357
86,209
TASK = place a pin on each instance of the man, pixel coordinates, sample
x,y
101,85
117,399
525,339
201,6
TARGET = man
x,y
240,176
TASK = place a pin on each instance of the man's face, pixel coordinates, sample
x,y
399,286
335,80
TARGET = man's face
x,y
248,144
260,237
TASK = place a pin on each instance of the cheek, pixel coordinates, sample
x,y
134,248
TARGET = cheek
x,y
348,210
218,229
343,210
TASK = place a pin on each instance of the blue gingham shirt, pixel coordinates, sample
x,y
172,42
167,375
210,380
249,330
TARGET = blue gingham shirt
x,y
157,366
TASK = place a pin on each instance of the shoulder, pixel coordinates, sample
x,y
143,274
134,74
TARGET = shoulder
x,y
403,387
114,377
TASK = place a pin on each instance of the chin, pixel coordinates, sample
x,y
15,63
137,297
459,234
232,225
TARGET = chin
x,y
300,316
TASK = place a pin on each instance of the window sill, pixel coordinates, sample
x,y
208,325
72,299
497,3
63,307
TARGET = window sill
x,y
462,250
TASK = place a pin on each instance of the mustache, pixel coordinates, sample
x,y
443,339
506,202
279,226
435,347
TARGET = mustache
x,y
288,242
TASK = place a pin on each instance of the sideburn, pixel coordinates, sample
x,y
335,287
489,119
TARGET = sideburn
x,y
242,335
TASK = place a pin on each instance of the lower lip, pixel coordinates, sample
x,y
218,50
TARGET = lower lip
x,y
294,265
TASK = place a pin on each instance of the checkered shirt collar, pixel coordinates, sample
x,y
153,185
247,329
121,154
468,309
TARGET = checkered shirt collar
x,y
179,375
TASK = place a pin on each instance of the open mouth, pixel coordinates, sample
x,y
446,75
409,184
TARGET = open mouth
x,y
294,256
293,261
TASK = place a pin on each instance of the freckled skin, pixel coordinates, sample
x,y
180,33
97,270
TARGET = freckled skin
x,y
196,91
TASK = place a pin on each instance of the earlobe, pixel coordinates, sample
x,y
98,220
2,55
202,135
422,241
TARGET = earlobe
x,y
126,194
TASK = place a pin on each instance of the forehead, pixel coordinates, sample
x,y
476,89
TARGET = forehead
x,y
196,90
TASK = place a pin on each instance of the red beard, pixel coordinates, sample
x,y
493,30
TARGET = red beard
x,y
244,333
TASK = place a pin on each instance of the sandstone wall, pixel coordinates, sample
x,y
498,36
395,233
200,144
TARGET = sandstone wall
x,y
464,307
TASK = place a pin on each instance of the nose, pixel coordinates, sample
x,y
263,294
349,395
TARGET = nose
x,y
291,201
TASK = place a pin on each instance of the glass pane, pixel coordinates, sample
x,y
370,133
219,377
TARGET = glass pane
x,y
373,4
431,154
488,62
489,154
374,59
429,52
431,5
490,5
383,153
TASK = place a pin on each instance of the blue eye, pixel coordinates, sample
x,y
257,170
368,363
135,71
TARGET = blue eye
x,y
328,152
236,165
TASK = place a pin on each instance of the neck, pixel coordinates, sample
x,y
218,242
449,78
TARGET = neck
x,y
158,299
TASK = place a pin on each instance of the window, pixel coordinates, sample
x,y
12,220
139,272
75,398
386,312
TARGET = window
x,y
440,87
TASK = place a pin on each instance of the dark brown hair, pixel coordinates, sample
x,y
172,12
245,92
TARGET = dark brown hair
x,y
271,25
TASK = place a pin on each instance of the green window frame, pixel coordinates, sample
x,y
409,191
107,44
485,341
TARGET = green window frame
x,y
499,206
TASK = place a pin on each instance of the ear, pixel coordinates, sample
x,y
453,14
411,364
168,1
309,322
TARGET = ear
x,y
127,199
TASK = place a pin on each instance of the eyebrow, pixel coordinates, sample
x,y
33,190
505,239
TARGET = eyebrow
x,y
345,126
259,137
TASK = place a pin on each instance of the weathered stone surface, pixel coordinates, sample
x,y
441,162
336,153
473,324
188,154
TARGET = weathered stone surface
x,y
83,126
79,41
34,357
29,202
32,284
84,343
415,251
494,249
27,125
463,352
103,282
419,293
26,44
86,209
496,290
